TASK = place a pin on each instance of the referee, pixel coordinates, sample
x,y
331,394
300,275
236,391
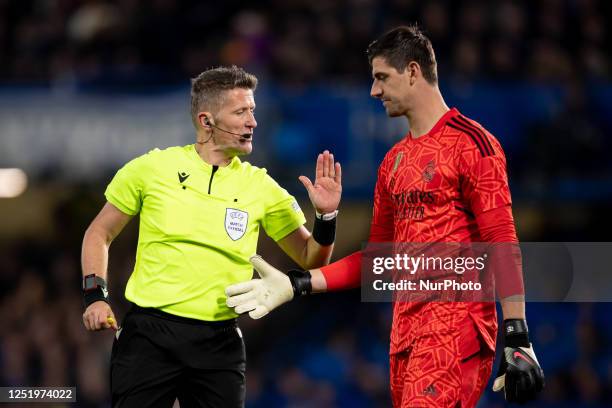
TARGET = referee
x,y
200,209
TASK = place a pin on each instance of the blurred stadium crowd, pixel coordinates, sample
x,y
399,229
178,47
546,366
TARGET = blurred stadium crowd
x,y
330,350
295,41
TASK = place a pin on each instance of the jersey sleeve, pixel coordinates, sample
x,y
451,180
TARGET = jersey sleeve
x,y
382,227
484,180
505,258
344,273
126,189
282,213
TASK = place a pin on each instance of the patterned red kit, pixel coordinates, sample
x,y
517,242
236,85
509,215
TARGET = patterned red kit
x,y
431,189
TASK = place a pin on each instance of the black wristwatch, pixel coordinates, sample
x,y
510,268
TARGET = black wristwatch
x,y
94,289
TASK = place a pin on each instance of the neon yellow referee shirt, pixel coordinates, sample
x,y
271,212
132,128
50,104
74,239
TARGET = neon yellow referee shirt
x,y
199,224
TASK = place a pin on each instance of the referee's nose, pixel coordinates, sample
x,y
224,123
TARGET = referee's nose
x,y
251,122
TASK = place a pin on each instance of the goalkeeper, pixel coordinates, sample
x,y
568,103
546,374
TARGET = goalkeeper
x,y
445,181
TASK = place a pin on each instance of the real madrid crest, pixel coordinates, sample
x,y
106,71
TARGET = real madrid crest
x,y
429,171
235,223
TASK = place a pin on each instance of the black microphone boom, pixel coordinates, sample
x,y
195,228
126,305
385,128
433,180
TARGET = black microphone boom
x,y
242,135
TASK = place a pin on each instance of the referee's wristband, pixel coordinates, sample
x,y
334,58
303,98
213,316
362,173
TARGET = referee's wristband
x,y
324,230
94,289
95,296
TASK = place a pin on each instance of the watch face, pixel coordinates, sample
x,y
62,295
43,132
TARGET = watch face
x,y
90,282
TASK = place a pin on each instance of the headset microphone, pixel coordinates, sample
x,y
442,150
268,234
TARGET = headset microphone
x,y
242,135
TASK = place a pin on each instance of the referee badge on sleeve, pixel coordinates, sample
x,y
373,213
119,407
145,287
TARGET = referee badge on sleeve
x,y
296,207
235,223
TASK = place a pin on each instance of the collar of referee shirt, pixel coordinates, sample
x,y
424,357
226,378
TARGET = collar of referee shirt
x,y
233,164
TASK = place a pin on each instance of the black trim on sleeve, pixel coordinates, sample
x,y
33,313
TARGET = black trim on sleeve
x,y
482,134
462,130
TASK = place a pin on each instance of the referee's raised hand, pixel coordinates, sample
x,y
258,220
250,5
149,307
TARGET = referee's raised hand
x,y
99,316
326,191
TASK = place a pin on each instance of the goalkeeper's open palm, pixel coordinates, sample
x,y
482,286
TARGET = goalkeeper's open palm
x,y
326,191
260,296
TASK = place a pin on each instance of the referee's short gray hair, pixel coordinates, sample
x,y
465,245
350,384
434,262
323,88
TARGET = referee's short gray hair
x,y
207,89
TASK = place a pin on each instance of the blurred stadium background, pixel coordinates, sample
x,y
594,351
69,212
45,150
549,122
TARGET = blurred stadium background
x,y
86,85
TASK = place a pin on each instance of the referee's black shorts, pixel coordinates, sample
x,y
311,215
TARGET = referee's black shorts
x,y
158,357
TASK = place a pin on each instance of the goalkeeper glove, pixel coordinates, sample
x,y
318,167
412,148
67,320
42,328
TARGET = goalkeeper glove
x,y
519,374
260,296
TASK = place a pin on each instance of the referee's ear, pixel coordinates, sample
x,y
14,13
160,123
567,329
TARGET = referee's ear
x,y
204,119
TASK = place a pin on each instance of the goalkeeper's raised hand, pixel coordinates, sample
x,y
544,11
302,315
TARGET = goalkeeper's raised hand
x,y
520,375
260,296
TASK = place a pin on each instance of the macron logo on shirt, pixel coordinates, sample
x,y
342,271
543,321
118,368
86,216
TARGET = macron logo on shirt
x,y
182,176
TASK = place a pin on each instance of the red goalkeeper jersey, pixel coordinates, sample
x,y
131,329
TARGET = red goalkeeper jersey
x,y
431,189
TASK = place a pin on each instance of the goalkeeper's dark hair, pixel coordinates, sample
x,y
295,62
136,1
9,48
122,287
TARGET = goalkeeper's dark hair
x,y
403,45
208,88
